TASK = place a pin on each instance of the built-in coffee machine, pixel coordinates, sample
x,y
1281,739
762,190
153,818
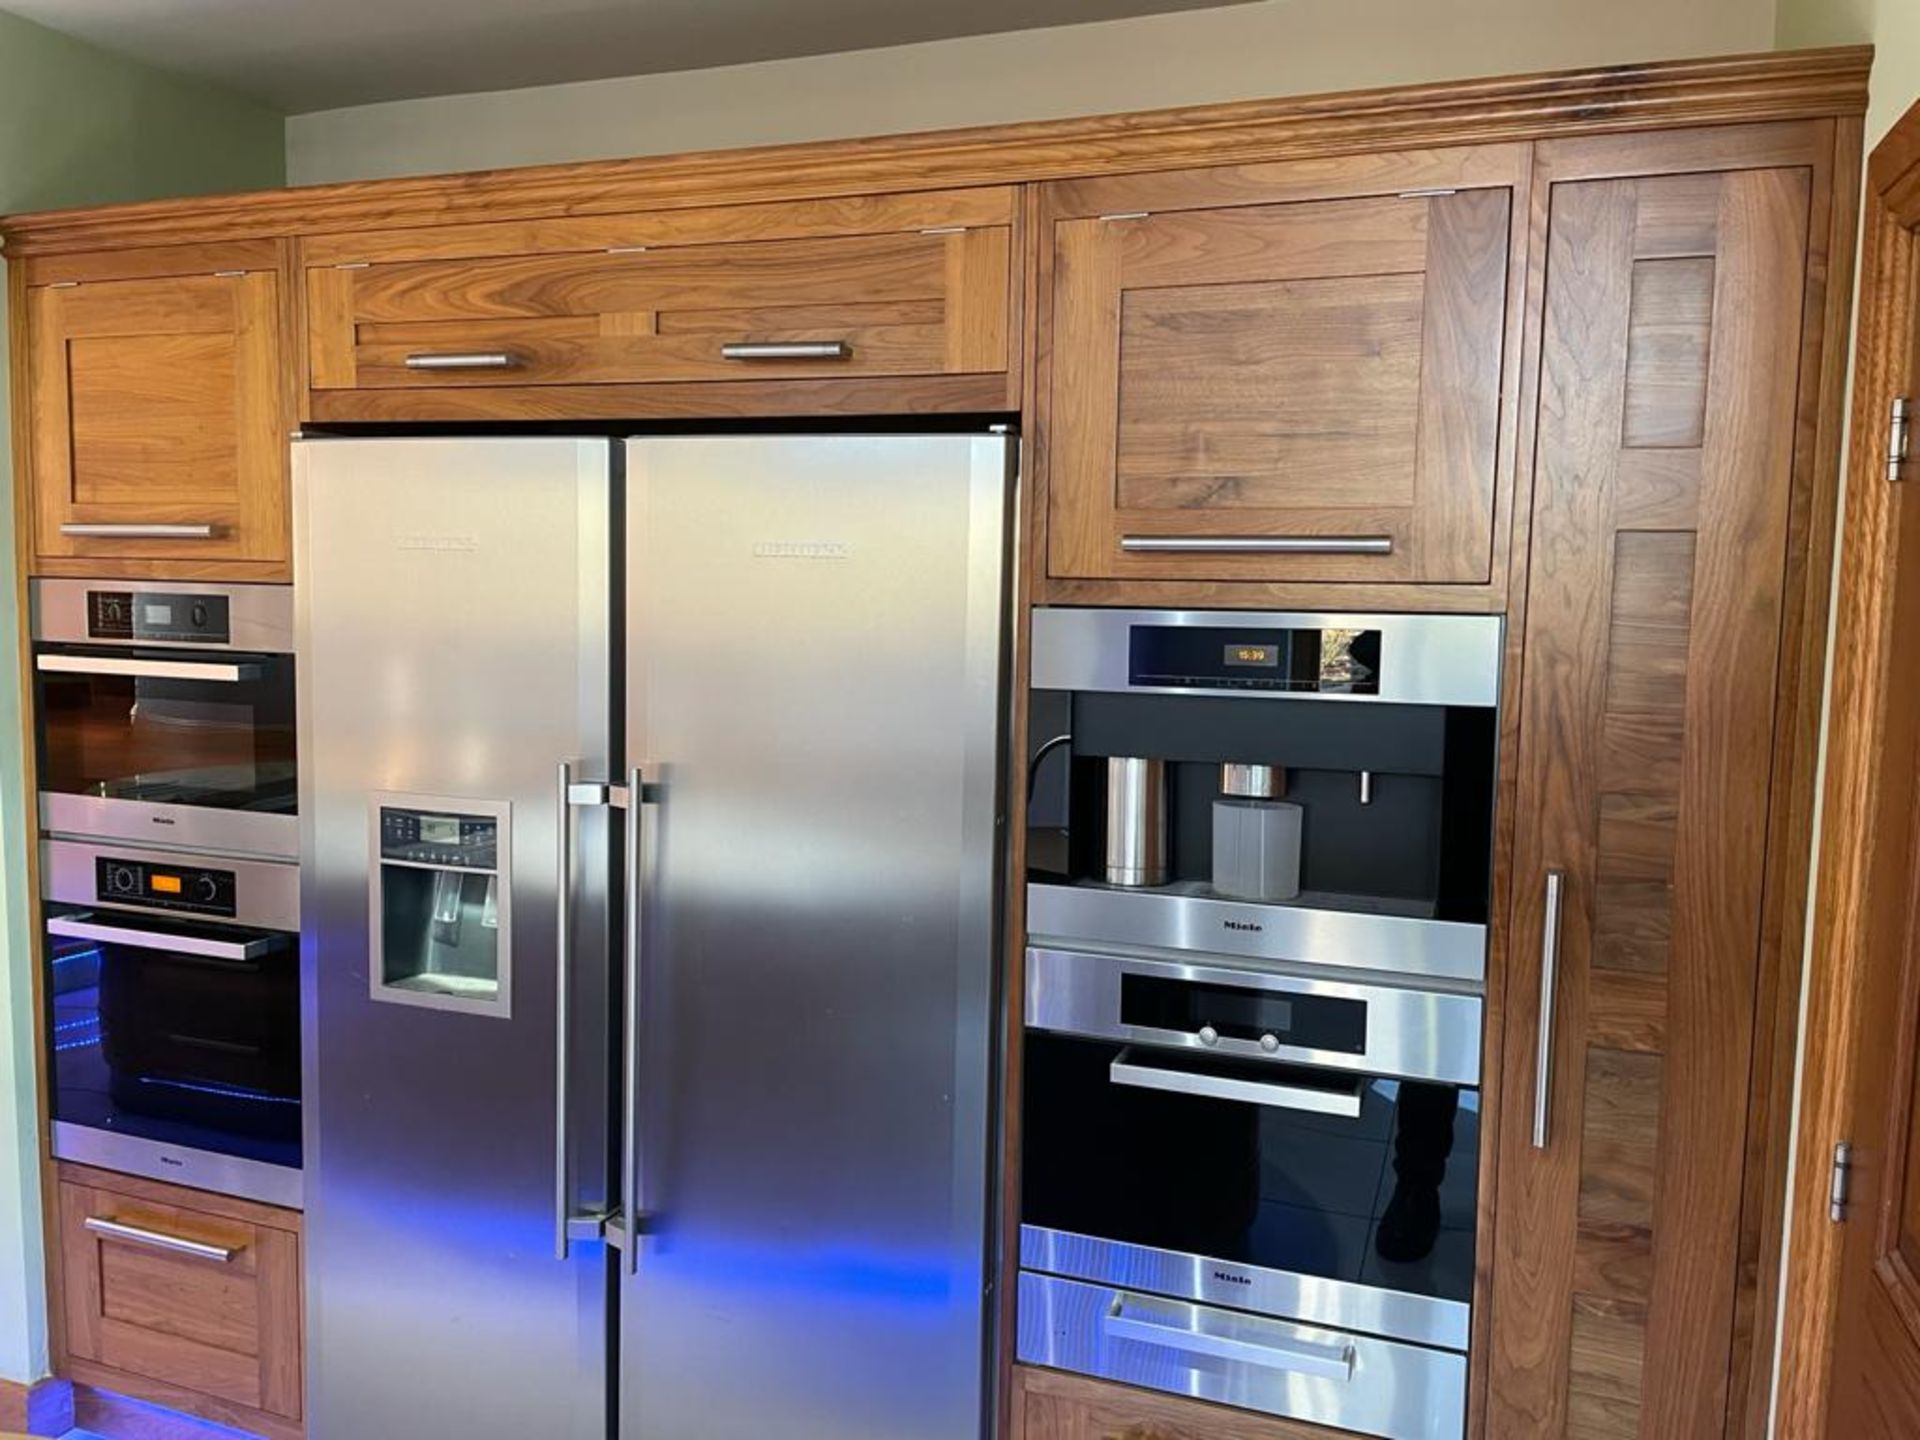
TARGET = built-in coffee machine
x,y
1260,848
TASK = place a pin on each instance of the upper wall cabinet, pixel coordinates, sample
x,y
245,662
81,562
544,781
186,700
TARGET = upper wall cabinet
x,y
887,299
1281,373
159,406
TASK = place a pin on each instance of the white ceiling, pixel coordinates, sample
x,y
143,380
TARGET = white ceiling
x,y
304,55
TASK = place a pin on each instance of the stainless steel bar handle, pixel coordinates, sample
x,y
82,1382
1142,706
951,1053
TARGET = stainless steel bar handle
x,y
631,1177
1549,993
132,531
465,360
1123,1071
146,669
563,1017
786,350
158,1240
1332,1362
1258,544
74,927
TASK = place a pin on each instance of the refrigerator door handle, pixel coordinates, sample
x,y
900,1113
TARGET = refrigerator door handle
x,y
630,1157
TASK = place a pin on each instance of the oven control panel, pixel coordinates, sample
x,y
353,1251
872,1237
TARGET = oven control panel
x,y
188,889
157,615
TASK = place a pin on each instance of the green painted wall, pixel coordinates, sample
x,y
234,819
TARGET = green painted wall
x,y
78,126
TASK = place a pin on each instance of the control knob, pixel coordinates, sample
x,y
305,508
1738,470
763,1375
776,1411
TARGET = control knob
x,y
1209,1035
1269,1042
206,889
122,880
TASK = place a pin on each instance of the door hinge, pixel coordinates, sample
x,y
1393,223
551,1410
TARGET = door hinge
x,y
1899,439
1840,1187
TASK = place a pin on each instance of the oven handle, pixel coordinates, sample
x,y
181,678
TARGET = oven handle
x,y
69,927
223,674
1331,1362
1343,1102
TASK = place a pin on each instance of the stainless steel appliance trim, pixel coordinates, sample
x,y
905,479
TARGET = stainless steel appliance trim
x,y
1333,1362
1284,1294
1424,659
563,1015
1394,1390
266,892
1549,994
139,530
159,1240
177,1165
465,360
786,350
1136,820
74,927
630,1136
1257,544
1126,1071
499,1005
1252,782
1412,1033
259,617
213,672
1190,921
196,829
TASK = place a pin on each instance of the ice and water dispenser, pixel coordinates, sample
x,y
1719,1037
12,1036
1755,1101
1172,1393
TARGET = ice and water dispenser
x,y
1294,787
442,928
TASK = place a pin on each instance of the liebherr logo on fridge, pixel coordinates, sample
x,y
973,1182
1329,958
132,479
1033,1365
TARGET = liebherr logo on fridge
x,y
802,550
456,544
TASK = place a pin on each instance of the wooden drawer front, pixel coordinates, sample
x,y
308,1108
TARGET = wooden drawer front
x,y
160,402
227,1328
1319,380
1054,1405
899,304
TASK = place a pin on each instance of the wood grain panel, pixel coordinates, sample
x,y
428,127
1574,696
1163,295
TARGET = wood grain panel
x,y
1618,1251
129,399
1668,329
1052,1405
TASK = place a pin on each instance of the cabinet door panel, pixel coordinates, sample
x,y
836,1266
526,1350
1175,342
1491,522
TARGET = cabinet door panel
x,y
1654,609
1236,389
160,402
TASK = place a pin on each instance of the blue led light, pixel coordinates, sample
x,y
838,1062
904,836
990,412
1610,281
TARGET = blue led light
x,y
67,1045
92,951
227,1092
83,1021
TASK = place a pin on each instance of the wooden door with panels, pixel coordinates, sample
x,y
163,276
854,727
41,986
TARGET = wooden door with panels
x,y
1851,1353
1658,707
160,409
1279,372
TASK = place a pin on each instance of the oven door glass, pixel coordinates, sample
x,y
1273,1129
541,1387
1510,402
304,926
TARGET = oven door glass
x,y
1313,1172
187,1035
207,729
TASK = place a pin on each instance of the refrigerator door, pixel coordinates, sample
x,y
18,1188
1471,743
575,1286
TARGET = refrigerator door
x,y
454,608
815,691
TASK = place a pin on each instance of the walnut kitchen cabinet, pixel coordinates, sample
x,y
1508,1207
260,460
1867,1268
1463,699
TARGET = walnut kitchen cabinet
x,y
183,1298
899,302
160,397
1281,373
1663,757
1053,1405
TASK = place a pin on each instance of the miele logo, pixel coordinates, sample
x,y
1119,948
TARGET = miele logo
x,y
162,819
455,544
802,550
174,1161
1232,1279
1251,927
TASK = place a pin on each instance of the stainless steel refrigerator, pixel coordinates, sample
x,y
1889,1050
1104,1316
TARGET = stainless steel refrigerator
x,y
651,796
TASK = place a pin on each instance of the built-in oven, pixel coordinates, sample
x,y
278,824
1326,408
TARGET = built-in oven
x,y
1252,1184
1259,875
173,1016
164,714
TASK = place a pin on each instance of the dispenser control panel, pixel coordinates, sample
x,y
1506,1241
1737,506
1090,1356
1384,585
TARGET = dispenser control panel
x,y
152,615
189,889
424,837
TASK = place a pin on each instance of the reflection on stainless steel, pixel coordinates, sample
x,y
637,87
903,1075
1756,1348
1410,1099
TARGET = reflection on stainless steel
x,y
455,614
266,892
1323,1376
1194,919
1314,1099
178,1165
1312,1299
1136,821
1423,1034
815,672
1424,659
